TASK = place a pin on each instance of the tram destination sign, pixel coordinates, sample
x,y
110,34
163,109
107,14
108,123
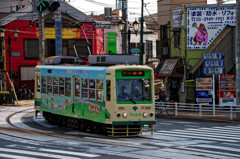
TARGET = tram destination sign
x,y
212,56
213,70
213,63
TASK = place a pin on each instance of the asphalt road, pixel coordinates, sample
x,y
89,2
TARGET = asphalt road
x,y
173,138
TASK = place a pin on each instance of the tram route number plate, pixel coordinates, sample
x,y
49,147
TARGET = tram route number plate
x,y
134,114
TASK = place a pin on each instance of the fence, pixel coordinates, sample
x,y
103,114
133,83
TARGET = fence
x,y
231,112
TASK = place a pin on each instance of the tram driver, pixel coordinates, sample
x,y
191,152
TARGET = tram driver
x,y
123,95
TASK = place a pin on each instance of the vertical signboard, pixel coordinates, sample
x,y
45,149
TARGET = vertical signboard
x,y
112,43
203,90
178,17
227,90
58,41
205,24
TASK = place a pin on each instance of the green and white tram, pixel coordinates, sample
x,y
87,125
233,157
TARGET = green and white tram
x,y
117,100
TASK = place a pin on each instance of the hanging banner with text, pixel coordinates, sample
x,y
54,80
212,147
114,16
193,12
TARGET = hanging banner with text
x,y
178,17
205,24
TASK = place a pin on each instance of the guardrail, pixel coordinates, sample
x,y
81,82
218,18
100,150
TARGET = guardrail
x,y
231,112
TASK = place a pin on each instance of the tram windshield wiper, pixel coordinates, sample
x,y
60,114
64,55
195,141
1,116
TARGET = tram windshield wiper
x,y
133,100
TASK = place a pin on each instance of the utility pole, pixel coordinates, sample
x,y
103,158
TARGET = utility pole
x,y
141,37
237,55
125,19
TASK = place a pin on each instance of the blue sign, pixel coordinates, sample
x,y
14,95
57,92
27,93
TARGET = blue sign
x,y
214,63
213,70
58,40
212,56
15,53
135,50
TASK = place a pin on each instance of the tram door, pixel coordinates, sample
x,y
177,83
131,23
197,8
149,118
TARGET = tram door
x,y
76,89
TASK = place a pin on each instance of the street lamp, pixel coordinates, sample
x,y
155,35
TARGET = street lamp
x,y
135,28
15,34
121,25
2,33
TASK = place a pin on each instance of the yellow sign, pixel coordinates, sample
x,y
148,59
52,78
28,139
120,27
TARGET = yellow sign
x,y
67,33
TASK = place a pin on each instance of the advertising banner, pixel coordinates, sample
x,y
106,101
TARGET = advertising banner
x,y
178,17
203,91
205,24
227,90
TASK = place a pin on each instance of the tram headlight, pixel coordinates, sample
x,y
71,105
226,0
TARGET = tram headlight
x,y
125,114
151,114
145,114
118,115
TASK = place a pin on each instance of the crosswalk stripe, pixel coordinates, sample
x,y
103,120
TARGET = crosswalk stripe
x,y
196,137
218,147
216,135
198,153
69,152
15,156
212,152
36,153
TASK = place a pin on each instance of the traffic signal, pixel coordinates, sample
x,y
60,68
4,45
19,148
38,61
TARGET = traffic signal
x,y
51,5
42,5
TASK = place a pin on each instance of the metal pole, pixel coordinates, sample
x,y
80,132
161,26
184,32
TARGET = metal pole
x,y
9,56
141,37
237,55
129,40
41,39
213,94
125,19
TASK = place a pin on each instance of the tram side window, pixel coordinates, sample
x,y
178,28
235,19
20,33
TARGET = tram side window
x,y
55,85
77,87
68,86
108,90
38,84
49,85
44,84
100,90
147,89
92,89
61,86
84,88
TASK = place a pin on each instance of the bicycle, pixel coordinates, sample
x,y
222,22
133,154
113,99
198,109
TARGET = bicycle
x,y
168,107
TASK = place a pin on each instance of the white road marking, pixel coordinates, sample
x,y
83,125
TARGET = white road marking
x,y
69,152
36,153
15,156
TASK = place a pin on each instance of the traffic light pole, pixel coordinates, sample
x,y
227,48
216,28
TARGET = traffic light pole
x,y
41,39
141,37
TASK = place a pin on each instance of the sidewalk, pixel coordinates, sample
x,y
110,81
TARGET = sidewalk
x,y
206,116
21,103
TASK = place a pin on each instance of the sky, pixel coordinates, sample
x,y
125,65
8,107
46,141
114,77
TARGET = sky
x,y
134,6
97,6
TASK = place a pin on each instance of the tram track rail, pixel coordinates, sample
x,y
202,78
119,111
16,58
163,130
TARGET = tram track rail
x,y
39,132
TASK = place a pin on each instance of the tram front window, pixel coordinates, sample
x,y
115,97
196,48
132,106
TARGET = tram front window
x,y
133,90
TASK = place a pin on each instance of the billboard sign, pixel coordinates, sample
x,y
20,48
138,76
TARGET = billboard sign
x,y
205,24
178,17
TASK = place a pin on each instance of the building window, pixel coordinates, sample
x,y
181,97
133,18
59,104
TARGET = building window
x,y
176,39
148,49
31,51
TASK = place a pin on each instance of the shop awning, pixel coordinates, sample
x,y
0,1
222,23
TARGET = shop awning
x,y
172,68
